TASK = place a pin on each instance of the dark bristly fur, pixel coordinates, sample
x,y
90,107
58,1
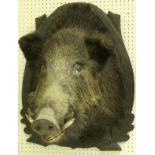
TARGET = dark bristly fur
x,y
100,94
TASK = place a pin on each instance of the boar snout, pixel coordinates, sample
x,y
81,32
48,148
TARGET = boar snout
x,y
46,129
42,126
46,126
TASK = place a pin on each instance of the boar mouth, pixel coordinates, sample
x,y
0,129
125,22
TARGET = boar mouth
x,y
50,139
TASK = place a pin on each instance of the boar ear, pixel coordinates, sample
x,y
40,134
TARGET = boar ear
x,y
31,45
115,18
40,20
99,48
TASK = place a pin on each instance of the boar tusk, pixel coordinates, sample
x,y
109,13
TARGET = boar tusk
x,y
71,115
68,123
29,118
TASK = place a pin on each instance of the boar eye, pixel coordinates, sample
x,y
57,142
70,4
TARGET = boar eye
x,y
78,67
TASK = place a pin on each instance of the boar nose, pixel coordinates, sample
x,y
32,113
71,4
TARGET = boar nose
x,y
43,127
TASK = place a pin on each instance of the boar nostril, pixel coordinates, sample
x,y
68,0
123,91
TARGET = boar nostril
x,y
50,127
37,128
